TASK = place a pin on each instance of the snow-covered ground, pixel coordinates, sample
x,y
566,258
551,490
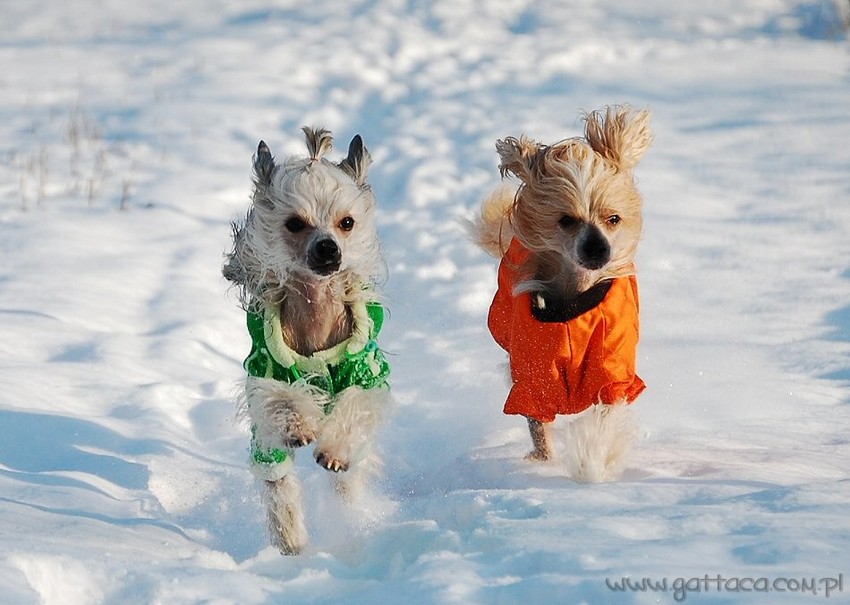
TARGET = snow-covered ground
x,y
127,134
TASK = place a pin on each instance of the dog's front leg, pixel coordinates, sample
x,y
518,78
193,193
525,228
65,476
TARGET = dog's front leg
x,y
539,440
347,432
286,413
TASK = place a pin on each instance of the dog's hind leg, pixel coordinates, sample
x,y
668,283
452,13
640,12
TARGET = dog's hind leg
x,y
287,530
598,441
539,440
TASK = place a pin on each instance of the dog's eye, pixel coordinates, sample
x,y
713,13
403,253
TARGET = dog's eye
x,y
567,221
346,224
614,220
295,224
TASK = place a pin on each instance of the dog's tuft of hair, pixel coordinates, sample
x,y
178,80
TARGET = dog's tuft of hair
x,y
319,142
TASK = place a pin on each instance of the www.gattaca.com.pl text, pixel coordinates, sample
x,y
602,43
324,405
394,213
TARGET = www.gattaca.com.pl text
x,y
682,587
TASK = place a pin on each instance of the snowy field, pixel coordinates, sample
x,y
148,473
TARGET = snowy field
x,y
127,132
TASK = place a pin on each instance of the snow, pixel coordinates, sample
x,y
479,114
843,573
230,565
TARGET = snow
x,y
127,135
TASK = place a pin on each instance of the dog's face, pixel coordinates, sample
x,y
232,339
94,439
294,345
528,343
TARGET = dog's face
x,y
578,209
311,220
322,217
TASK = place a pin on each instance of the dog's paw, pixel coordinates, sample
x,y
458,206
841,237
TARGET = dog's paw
x,y
298,431
298,437
538,455
329,462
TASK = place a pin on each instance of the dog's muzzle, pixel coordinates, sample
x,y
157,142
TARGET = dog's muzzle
x,y
324,257
594,251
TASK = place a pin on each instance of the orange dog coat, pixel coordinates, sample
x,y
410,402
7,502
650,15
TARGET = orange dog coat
x,y
564,367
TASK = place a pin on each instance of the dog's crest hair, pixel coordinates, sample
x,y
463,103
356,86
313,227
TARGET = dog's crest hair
x,y
355,164
617,133
319,142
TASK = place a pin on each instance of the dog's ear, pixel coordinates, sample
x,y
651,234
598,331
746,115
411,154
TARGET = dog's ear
x,y
520,157
620,134
319,142
357,163
263,165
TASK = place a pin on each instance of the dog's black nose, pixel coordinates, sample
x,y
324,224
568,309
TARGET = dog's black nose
x,y
327,250
594,250
325,256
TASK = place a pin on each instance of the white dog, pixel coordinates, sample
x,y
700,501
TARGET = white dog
x,y
306,260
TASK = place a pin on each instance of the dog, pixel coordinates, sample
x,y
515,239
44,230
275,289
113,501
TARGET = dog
x,y
306,261
566,306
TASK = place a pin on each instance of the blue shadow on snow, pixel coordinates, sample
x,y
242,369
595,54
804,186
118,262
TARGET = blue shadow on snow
x,y
43,443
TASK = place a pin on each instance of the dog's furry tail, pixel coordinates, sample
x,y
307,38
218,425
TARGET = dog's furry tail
x,y
492,230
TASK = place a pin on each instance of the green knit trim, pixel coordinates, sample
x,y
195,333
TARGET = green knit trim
x,y
271,460
270,456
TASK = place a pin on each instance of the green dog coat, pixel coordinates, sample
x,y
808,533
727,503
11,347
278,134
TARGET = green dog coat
x,y
356,361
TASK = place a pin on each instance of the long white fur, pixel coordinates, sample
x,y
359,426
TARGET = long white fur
x,y
295,187
598,441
